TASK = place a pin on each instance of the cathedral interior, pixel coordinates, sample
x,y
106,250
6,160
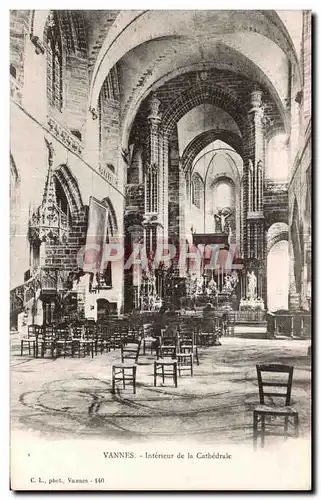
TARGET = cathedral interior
x,y
181,127
161,205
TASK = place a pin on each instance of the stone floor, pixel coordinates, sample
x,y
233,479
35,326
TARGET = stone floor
x,y
71,398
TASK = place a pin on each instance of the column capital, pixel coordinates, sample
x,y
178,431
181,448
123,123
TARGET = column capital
x,y
256,104
154,117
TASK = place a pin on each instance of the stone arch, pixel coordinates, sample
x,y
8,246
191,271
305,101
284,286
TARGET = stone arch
x,y
112,216
72,27
204,139
200,93
278,231
14,172
297,244
70,187
277,274
114,47
14,196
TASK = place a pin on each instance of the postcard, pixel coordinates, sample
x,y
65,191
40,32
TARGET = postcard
x,y
160,250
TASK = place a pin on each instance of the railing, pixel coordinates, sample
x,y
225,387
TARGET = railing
x,y
15,90
289,324
107,174
65,136
45,280
270,185
249,316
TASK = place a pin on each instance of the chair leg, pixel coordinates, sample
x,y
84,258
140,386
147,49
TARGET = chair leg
x,y
175,374
296,426
192,361
113,381
286,427
21,348
155,374
134,379
255,431
262,430
196,356
123,374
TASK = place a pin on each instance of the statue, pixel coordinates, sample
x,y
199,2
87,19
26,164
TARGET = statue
x,y
211,289
199,285
221,216
252,285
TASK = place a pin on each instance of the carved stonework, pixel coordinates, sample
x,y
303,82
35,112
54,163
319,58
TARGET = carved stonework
x,y
151,168
106,173
256,99
63,135
134,190
48,222
154,105
17,299
15,90
39,46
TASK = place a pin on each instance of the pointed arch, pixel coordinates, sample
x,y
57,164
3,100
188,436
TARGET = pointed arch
x,y
70,187
204,93
112,219
204,139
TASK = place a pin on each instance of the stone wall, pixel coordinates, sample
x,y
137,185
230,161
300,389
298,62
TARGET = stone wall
x,y
300,182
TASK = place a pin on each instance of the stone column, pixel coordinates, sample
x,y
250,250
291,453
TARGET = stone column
x,y
153,177
255,244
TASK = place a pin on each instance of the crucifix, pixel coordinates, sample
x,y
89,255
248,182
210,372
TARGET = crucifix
x,y
222,216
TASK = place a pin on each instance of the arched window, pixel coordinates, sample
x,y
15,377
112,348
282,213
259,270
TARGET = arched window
x,y
278,276
196,190
223,194
54,62
62,201
277,165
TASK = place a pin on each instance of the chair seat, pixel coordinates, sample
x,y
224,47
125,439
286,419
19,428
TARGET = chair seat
x,y
28,339
276,410
124,365
130,347
166,362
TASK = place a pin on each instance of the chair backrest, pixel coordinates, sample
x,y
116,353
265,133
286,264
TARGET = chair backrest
x,y
167,351
168,341
187,340
49,332
284,384
33,330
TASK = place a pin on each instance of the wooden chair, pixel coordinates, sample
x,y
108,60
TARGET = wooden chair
x,y
185,360
165,368
187,343
150,338
103,337
47,341
266,414
123,373
130,350
82,341
64,341
30,340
